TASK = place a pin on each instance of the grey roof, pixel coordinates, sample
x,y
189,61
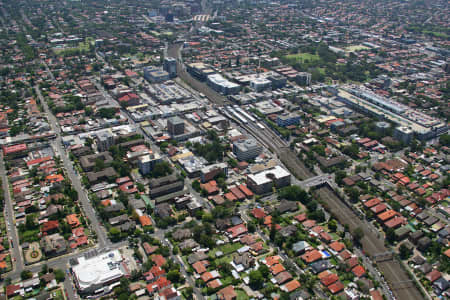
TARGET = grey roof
x,y
300,246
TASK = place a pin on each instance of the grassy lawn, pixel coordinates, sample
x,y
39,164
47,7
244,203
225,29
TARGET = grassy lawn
x,y
333,261
82,46
335,236
241,295
226,249
58,294
301,57
224,259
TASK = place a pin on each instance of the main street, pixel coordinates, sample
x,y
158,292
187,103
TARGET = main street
x,y
16,253
86,205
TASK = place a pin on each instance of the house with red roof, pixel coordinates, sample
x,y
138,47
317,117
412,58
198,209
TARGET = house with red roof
x,y
372,202
396,222
199,267
336,287
359,271
7,150
389,214
311,256
158,259
12,290
246,190
272,260
72,220
145,220
378,208
276,269
128,188
433,275
50,226
258,213
158,285
237,193
329,279
129,99
227,293
237,230
337,246
291,286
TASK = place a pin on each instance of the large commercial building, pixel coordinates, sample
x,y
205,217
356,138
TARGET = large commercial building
x,y
170,66
303,78
260,84
147,162
200,70
288,120
209,172
246,149
404,134
421,125
278,81
222,85
95,274
175,126
105,139
155,75
264,181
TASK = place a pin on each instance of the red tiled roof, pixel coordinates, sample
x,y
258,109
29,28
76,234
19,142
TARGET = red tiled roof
x,y
372,202
258,213
291,286
278,268
145,220
329,279
159,260
359,271
199,267
237,230
337,246
336,287
13,149
433,275
311,256
387,215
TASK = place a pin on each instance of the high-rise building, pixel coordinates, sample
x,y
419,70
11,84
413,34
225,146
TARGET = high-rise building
x,y
170,66
246,149
147,162
105,139
175,126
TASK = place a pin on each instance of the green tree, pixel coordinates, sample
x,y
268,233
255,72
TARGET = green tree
x,y
404,251
332,225
444,140
256,280
25,274
174,276
59,275
358,234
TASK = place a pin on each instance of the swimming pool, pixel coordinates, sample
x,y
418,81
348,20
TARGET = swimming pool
x,y
325,253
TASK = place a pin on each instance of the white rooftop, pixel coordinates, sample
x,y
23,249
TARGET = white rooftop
x,y
262,177
98,270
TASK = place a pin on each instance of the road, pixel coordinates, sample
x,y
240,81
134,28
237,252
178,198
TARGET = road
x,y
160,235
16,252
85,203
